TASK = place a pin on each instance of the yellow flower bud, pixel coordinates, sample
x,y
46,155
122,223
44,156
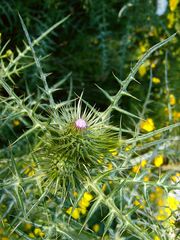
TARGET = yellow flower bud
x,y
74,213
172,99
110,166
38,232
83,210
173,4
88,196
173,203
156,80
146,178
158,160
83,203
142,70
143,163
31,235
171,19
147,125
136,169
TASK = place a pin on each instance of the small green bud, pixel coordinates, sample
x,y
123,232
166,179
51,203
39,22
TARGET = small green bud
x,y
8,53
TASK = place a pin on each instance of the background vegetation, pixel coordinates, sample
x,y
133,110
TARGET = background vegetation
x,y
92,50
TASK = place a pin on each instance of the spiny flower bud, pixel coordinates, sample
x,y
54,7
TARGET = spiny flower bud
x,y
74,144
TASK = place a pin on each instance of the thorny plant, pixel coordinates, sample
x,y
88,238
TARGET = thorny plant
x,y
73,169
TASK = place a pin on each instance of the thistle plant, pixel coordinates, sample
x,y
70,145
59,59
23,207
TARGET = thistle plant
x,y
76,177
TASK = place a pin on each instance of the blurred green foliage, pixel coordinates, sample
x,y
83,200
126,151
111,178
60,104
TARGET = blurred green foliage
x,y
100,38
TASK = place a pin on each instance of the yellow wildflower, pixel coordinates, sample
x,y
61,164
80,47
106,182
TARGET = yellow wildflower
x,y
163,214
114,152
171,221
173,178
88,196
4,238
143,163
74,213
160,217
136,169
167,211
153,65
143,46
147,125
31,235
146,178
171,19
172,99
29,171
156,238
142,70
158,160
128,148
176,115
176,178
156,80
96,227
83,210
38,232
83,203
109,166
137,203
173,203
173,4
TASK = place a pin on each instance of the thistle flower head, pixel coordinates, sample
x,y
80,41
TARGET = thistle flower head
x,y
75,144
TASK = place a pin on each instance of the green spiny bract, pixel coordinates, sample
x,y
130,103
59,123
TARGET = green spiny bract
x,y
74,145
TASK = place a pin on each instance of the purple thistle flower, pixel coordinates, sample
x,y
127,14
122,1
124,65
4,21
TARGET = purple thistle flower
x,y
80,123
